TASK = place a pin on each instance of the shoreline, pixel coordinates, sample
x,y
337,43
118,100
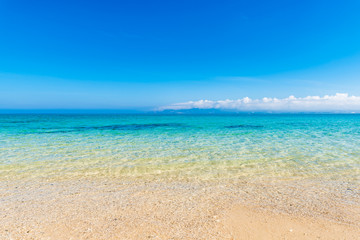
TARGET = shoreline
x,y
156,209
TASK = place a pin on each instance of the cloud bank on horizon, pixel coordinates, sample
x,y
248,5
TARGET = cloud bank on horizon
x,y
340,102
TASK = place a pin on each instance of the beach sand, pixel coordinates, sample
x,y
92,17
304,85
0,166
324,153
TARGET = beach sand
x,y
160,209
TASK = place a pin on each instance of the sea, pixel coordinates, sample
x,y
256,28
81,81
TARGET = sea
x,y
324,147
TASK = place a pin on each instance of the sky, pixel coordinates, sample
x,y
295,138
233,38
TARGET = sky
x,y
158,54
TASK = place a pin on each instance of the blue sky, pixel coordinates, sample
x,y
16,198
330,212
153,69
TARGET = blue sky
x,y
146,54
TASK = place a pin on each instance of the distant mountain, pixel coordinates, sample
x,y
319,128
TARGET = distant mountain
x,y
211,111
199,111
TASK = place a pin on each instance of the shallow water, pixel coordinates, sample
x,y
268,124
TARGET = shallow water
x,y
256,147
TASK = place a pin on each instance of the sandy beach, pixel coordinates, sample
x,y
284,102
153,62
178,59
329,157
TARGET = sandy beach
x,y
159,209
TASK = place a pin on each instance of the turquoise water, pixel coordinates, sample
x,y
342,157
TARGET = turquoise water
x,y
181,146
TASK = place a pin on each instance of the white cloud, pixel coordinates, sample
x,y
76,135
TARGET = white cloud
x,y
341,102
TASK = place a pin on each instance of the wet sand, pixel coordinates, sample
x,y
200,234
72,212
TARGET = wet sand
x,y
159,209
